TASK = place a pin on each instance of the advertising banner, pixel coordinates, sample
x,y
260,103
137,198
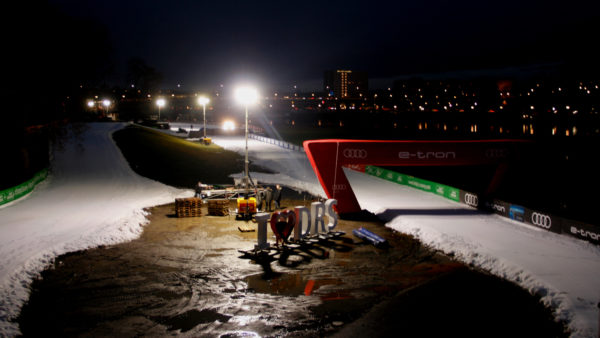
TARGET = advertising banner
x,y
543,220
424,185
14,193
580,230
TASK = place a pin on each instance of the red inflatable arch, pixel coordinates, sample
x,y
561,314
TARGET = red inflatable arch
x,y
329,156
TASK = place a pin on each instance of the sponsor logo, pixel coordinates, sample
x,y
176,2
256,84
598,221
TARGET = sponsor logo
x,y
472,200
338,187
354,153
497,207
496,153
585,233
426,155
541,220
439,190
517,213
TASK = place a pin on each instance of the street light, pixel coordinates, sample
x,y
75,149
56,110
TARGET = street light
x,y
106,104
246,96
203,101
160,103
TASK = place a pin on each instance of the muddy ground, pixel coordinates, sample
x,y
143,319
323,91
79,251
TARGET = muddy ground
x,y
187,277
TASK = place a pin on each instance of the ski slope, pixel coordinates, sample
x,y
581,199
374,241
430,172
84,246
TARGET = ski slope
x,y
93,198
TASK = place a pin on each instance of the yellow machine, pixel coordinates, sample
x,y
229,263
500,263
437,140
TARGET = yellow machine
x,y
246,207
206,140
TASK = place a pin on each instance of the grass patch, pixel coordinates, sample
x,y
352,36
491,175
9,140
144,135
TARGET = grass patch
x,y
175,161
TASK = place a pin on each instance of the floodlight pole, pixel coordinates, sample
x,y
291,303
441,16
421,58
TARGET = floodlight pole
x,y
246,177
204,113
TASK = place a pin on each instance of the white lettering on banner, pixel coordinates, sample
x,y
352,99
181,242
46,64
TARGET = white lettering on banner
x,y
439,190
419,185
496,153
471,200
499,208
354,153
541,220
426,155
585,233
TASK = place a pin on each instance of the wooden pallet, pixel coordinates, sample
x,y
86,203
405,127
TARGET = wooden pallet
x,y
246,227
218,207
188,207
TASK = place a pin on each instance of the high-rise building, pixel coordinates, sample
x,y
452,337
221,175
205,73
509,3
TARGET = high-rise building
x,y
346,83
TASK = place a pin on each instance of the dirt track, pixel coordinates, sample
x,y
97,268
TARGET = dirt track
x,y
186,276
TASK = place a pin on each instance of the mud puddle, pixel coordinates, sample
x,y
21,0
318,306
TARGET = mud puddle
x,y
186,276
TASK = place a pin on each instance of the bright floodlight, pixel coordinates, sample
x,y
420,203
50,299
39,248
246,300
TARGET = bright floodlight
x,y
203,100
90,103
160,102
106,103
246,95
228,125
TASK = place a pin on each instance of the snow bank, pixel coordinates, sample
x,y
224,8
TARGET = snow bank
x,y
90,198
563,271
291,168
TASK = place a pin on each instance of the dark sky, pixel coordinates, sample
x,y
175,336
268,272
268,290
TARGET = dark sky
x,y
200,44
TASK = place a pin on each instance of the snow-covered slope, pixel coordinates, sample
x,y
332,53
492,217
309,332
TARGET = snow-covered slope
x,y
91,198
564,271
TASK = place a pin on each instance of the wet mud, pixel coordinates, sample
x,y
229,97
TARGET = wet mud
x,y
187,277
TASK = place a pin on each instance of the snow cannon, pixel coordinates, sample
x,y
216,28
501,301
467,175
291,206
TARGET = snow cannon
x,y
370,237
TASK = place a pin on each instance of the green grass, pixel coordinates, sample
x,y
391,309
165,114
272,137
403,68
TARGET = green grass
x,y
175,161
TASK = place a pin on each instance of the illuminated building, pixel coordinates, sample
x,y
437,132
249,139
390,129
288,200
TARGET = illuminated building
x,y
346,83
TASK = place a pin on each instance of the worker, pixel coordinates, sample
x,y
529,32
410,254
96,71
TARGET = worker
x,y
260,197
277,197
268,198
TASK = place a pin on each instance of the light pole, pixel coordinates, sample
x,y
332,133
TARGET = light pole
x,y
203,101
246,96
160,103
106,104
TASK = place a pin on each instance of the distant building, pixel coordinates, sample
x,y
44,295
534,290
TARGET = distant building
x,y
346,83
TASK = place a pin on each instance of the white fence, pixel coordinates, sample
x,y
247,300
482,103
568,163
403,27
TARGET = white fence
x,y
278,143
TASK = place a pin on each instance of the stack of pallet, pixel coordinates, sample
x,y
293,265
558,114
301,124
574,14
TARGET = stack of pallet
x,y
218,207
188,207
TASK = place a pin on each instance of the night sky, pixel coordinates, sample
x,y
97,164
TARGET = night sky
x,y
201,44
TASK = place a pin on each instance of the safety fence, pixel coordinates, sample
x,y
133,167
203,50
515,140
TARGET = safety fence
x,y
14,193
278,143
543,220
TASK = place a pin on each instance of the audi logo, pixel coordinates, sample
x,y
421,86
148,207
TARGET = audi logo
x,y
354,153
471,200
541,220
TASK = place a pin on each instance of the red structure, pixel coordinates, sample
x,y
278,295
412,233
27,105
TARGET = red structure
x,y
328,157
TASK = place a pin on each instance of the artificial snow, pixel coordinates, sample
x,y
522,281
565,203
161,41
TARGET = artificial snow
x,y
93,198
563,271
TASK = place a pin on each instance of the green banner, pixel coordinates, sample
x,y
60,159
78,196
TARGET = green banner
x,y
14,193
424,185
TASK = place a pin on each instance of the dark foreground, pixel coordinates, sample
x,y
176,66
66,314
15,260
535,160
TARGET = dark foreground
x,y
185,276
